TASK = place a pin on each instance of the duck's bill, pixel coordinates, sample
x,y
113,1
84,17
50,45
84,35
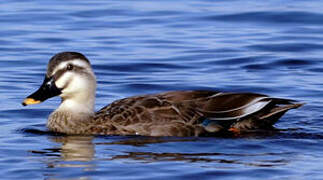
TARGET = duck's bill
x,y
47,90
29,101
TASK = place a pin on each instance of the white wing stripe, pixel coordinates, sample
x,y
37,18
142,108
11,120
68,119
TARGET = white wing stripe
x,y
249,110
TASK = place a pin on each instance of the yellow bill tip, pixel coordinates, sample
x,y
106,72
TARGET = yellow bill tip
x,y
29,101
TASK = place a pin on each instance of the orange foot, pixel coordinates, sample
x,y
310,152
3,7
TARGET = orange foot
x,y
234,130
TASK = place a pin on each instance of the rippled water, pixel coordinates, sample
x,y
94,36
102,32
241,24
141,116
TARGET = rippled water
x,y
139,47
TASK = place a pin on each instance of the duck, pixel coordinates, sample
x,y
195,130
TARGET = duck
x,y
174,113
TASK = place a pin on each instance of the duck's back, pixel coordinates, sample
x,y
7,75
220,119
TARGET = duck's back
x,y
190,113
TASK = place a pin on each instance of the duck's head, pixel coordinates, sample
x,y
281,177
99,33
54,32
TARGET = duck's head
x,y
69,75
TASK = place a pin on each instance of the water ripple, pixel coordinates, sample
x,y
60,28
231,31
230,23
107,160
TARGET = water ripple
x,y
284,18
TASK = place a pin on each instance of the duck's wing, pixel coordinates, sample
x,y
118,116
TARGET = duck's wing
x,y
183,113
189,106
174,106
236,106
166,114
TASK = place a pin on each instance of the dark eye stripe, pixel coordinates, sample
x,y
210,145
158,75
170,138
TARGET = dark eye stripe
x,y
60,72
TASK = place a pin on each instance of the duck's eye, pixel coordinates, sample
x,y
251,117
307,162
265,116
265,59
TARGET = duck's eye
x,y
69,67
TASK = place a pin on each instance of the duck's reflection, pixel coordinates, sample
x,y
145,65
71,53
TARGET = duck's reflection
x,y
76,148
79,152
76,152
82,149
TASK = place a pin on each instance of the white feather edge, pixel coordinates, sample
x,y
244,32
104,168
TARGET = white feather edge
x,y
250,109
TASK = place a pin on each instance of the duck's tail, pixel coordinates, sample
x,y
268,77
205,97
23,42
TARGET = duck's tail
x,y
278,111
266,119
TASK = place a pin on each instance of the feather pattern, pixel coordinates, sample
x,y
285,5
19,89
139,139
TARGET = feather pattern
x,y
181,113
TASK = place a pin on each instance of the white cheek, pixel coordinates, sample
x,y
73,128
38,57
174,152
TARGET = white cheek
x,y
63,80
77,84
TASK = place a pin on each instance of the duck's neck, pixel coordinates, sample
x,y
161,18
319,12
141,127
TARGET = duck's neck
x,y
73,115
78,105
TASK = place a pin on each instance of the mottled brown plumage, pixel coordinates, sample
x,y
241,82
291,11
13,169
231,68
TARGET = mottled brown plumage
x,y
182,113
175,113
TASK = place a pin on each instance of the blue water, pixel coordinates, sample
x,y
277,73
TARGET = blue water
x,y
137,47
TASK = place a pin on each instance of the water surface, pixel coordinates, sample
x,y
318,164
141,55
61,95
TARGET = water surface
x,y
139,47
